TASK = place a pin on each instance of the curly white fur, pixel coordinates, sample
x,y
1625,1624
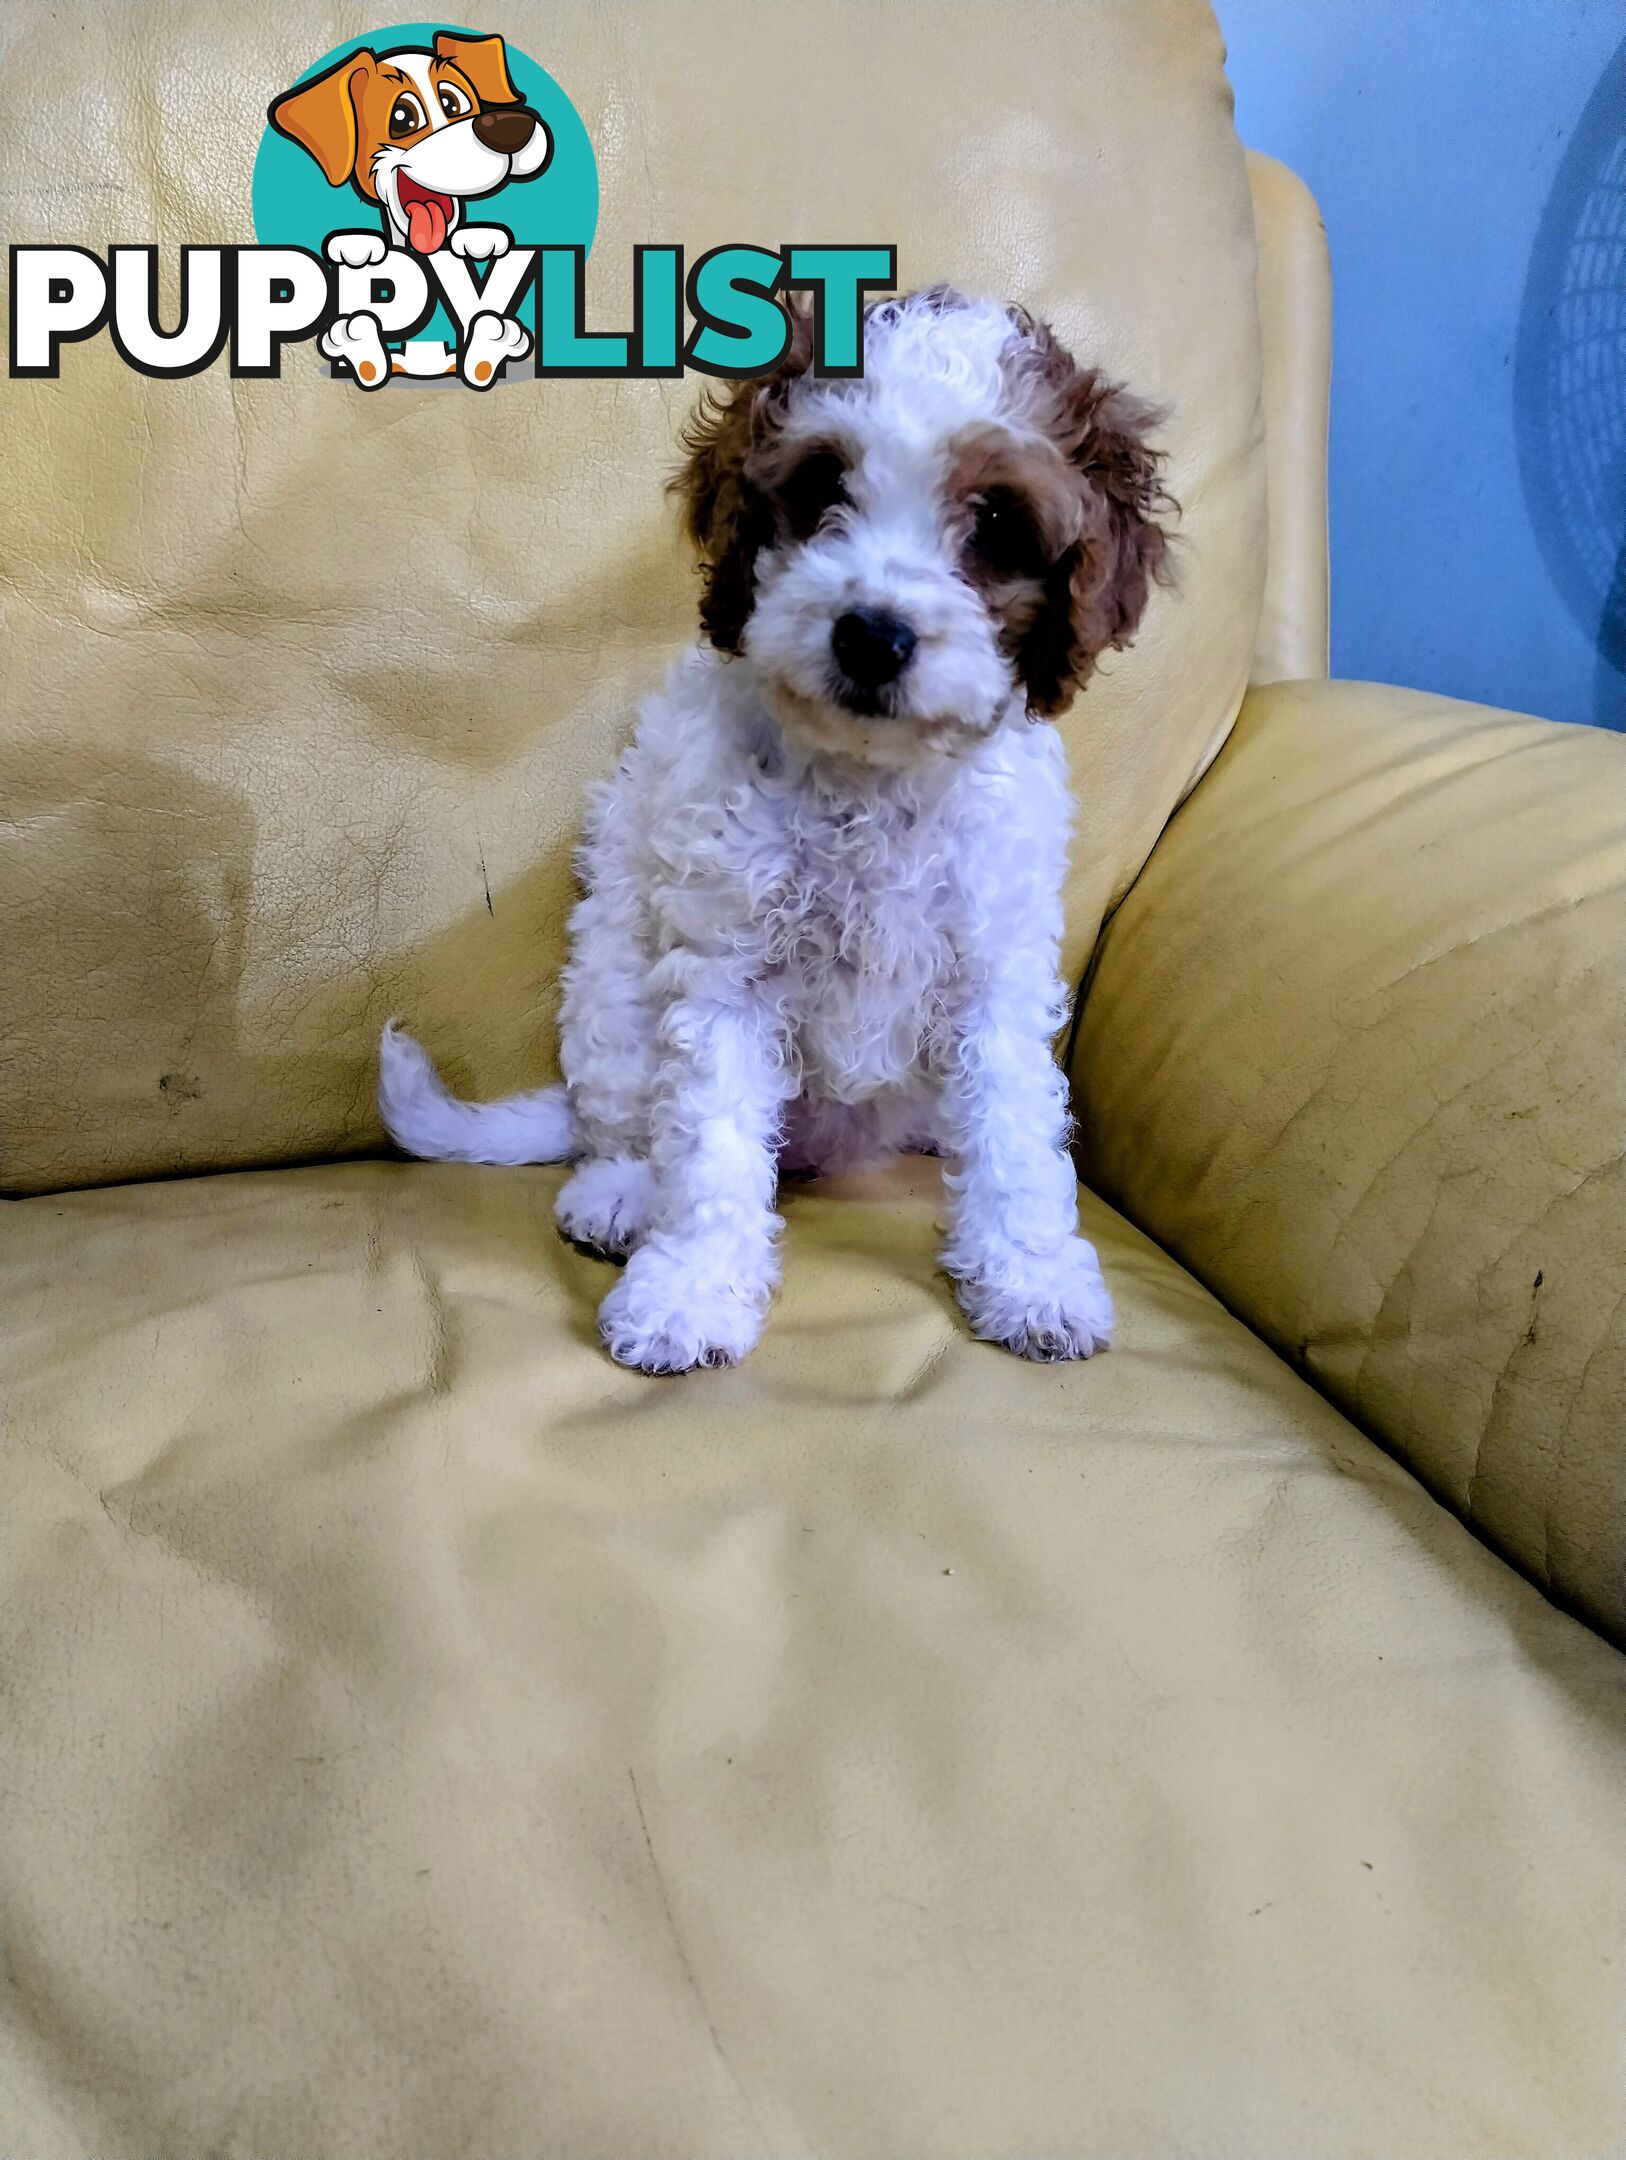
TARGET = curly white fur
x,y
808,938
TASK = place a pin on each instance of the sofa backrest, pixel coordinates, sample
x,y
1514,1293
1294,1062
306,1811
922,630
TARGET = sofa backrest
x,y
304,684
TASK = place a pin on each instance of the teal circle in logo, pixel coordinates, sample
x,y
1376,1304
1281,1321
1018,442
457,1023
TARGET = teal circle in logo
x,y
294,206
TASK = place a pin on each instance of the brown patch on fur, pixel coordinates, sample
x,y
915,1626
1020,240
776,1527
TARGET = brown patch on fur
x,y
984,459
735,457
1095,593
988,465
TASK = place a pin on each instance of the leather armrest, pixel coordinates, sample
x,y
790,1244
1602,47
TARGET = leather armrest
x,y
1354,1050
1294,285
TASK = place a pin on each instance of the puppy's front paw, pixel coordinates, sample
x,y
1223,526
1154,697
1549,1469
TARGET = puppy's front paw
x,y
662,1317
1047,1307
606,1203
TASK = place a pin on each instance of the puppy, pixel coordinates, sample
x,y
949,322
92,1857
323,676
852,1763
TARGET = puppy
x,y
821,909
417,134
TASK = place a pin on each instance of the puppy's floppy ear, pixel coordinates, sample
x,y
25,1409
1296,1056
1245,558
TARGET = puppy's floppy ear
x,y
321,115
728,442
484,60
1096,593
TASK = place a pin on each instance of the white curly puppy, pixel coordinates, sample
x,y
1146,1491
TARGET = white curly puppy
x,y
822,905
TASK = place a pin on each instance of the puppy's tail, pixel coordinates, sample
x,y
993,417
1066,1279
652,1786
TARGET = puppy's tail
x,y
421,1115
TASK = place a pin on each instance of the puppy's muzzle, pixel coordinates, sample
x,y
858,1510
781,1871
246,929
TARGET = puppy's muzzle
x,y
871,649
505,128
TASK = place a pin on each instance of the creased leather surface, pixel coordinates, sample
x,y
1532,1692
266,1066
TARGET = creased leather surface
x,y
1355,1051
1295,334
424,1737
299,676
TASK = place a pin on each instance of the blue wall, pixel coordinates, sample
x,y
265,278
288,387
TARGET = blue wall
x,y
1468,162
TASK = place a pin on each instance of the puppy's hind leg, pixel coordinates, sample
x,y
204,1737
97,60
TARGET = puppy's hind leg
x,y
604,1206
607,1028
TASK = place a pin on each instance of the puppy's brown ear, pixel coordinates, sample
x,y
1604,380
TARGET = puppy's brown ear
x,y
321,115
1096,594
728,443
484,60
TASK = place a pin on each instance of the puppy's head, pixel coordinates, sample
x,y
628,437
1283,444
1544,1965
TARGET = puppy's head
x,y
418,132
899,557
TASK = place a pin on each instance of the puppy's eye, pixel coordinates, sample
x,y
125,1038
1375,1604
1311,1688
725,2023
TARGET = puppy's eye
x,y
406,115
452,102
1003,537
812,492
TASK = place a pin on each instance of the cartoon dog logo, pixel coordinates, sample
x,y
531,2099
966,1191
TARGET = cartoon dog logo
x,y
417,134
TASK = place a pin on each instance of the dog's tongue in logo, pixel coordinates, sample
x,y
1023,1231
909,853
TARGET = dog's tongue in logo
x,y
427,214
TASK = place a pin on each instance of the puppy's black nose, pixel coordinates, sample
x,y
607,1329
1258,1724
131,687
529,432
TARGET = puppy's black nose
x,y
872,648
505,128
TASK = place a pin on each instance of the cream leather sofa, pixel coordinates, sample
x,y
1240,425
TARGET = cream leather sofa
x,y
422,1737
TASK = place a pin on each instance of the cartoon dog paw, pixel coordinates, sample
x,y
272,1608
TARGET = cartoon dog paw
x,y
492,340
475,243
354,342
356,250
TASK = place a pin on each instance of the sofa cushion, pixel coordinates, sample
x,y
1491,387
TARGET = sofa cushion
x,y
304,684
425,1737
